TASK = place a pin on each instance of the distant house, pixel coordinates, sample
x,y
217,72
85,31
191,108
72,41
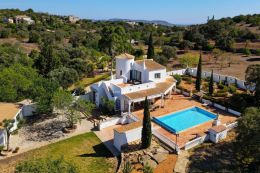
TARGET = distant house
x,y
23,19
8,20
73,19
14,111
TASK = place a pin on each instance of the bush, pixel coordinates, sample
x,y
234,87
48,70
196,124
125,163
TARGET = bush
x,y
232,89
16,150
247,52
221,86
257,52
178,78
107,106
220,94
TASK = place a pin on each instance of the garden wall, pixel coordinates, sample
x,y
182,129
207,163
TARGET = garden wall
x,y
216,77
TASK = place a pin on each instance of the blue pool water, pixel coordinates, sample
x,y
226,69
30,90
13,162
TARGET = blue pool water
x,y
185,119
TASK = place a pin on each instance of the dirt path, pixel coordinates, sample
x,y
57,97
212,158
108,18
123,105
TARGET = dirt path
x,y
182,162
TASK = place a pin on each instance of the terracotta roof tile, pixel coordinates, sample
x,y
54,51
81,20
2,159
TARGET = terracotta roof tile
x,y
128,127
150,64
125,56
8,111
160,88
218,128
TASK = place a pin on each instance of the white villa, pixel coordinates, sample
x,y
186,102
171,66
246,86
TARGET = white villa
x,y
134,80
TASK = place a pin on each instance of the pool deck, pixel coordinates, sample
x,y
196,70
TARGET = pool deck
x,y
177,103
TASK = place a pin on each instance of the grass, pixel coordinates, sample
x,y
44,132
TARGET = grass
x,y
89,80
85,151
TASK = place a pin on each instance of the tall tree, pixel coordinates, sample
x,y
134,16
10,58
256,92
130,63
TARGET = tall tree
x,y
113,41
150,52
8,125
211,84
146,130
253,78
247,145
198,78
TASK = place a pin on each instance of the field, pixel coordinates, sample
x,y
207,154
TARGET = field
x,y
85,151
237,68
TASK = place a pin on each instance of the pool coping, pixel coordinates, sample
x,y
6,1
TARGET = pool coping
x,y
160,123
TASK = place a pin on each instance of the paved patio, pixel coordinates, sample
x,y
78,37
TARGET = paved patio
x,y
179,102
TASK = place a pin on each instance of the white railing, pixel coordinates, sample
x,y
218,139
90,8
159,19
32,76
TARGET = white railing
x,y
231,126
139,87
167,141
195,142
216,77
107,91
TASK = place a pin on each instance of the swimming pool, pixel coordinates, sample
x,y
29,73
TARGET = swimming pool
x,y
185,119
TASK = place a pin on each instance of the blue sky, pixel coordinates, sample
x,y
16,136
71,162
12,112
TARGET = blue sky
x,y
174,11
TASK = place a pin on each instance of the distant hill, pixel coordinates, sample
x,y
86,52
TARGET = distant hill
x,y
158,22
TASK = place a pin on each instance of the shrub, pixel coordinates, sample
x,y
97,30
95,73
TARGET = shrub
x,y
257,52
147,169
178,78
232,89
16,150
220,86
127,167
247,52
220,94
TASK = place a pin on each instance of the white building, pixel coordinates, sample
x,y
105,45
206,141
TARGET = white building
x,y
23,19
8,20
73,19
134,81
14,111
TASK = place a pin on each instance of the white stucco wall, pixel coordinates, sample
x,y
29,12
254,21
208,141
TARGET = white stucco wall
x,y
125,66
126,137
28,110
161,79
216,137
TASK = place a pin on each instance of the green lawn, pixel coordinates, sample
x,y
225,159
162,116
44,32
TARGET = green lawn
x,y
84,151
89,80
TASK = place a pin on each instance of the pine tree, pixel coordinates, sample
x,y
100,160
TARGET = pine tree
x,y
146,130
198,79
211,84
150,52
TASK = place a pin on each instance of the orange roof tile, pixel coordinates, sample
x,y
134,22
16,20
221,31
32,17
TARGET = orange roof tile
x,y
150,64
218,128
125,56
159,89
128,127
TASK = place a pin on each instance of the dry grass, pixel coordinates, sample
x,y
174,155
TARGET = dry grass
x,y
210,157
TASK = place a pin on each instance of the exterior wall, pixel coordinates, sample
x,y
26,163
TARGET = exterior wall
x,y
162,72
145,75
28,110
216,137
121,139
108,123
124,65
2,137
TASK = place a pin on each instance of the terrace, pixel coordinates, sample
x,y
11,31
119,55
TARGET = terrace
x,y
179,102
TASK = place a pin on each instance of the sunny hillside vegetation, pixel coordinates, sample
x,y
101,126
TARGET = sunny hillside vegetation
x,y
65,53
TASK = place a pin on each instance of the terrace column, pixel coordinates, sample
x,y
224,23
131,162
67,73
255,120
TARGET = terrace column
x,y
129,107
162,100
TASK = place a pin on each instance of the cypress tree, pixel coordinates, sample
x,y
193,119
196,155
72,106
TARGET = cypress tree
x,y
198,79
146,130
211,84
150,52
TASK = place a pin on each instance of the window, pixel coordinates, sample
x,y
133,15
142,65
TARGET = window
x,y
121,72
157,75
